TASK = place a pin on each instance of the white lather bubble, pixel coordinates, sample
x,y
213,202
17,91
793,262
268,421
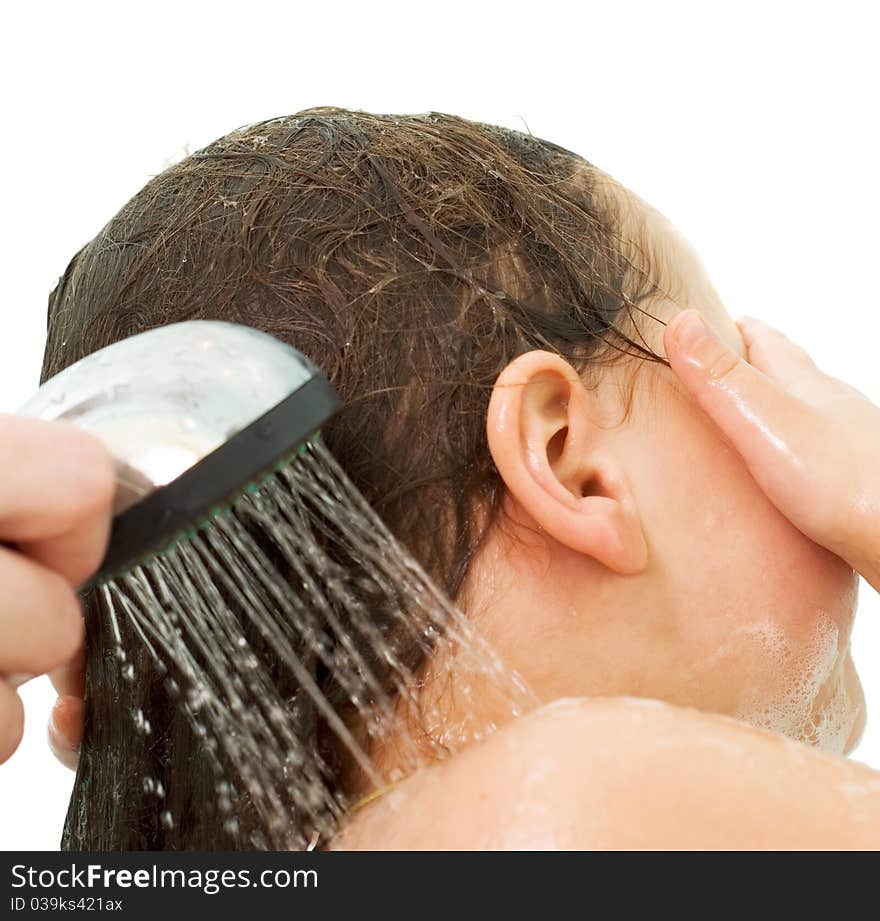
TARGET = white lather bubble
x,y
812,704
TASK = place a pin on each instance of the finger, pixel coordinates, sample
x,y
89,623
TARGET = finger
x,y
11,720
40,621
70,679
19,678
56,494
773,353
66,729
762,421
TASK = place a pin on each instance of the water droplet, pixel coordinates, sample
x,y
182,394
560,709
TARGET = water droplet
x,y
196,698
204,587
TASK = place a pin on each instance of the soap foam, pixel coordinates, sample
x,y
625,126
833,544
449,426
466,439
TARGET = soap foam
x,y
812,704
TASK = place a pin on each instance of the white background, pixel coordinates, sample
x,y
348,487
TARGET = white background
x,y
752,126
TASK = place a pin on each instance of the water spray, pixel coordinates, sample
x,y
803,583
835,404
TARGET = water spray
x,y
261,622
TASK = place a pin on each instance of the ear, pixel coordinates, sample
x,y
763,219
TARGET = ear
x,y
558,462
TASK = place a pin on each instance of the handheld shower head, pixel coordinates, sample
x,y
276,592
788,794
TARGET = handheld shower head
x,y
191,413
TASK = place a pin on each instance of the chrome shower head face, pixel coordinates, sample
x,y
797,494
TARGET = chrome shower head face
x,y
191,413
163,400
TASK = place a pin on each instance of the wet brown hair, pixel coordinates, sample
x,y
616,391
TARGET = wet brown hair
x,y
411,258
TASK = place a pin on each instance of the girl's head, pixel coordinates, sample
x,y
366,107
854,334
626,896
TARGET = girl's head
x,y
490,308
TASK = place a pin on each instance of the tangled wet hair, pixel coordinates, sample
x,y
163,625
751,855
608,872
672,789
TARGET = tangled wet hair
x,y
411,258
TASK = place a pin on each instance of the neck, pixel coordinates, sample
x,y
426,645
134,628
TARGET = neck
x,y
463,696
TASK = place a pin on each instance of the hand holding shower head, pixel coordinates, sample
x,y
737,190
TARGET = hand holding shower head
x,y
192,413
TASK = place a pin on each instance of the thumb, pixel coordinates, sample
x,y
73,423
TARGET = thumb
x,y
758,416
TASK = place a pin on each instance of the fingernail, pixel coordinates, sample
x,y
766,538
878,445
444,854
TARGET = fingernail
x,y
68,755
692,331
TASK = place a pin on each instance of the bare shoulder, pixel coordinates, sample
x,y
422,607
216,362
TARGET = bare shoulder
x,y
627,773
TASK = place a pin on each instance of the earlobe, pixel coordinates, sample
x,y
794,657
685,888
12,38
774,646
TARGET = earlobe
x,y
558,461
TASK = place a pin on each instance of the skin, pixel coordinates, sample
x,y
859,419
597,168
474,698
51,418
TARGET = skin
x,y
704,594
619,571
710,585
645,600
55,513
626,773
